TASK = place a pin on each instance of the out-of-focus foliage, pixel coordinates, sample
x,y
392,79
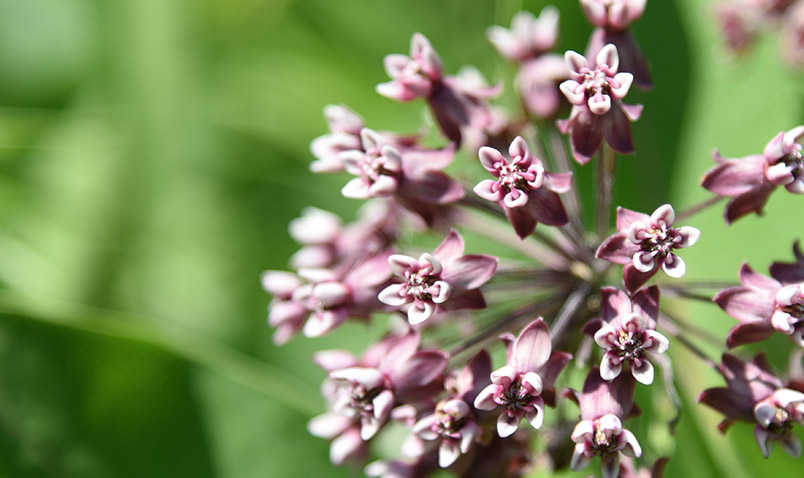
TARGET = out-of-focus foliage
x,y
152,153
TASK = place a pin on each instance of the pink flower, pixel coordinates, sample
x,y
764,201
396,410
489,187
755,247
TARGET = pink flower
x,y
614,14
344,135
344,433
628,333
538,81
755,395
453,425
531,369
331,296
600,432
527,193
458,105
793,35
412,177
391,373
284,313
763,304
644,244
612,19
749,181
598,112
528,37
443,280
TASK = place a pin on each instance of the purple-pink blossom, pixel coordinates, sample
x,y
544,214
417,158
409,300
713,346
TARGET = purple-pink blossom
x,y
754,394
645,244
749,181
595,91
611,19
604,405
531,369
764,304
628,333
444,280
527,193
458,106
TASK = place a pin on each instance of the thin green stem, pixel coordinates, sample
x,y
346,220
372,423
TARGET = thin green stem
x,y
701,206
605,183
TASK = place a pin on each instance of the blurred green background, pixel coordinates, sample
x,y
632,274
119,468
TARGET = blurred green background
x,y
152,153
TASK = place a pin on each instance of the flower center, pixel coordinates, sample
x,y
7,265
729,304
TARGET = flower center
x,y
660,241
374,167
795,310
794,161
629,345
511,177
602,444
596,81
362,398
418,283
516,396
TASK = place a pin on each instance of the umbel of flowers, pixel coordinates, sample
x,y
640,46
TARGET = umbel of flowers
x,y
557,288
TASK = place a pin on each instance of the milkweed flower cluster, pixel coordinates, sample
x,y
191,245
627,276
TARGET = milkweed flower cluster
x,y
566,289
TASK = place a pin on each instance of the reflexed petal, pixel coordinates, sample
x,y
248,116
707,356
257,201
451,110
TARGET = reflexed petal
x,y
762,437
792,445
614,302
632,447
579,458
610,467
626,217
689,236
419,312
470,271
643,372
532,348
489,190
396,91
674,266
558,183
617,249
521,218
536,416
507,424
749,333
617,129
468,435
745,304
735,176
634,279
420,370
